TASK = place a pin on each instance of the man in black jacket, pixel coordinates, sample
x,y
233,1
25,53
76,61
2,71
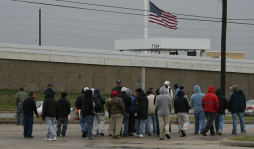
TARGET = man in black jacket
x,y
181,105
50,111
64,111
219,118
29,106
127,102
118,87
80,104
237,106
141,112
89,113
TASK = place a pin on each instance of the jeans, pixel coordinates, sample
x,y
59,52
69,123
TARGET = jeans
x,y
19,111
219,122
99,117
148,129
89,126
240,115
83,123
126,123
157,126
209,124
199,115
28,125
62,121
131,122
51,132
139,125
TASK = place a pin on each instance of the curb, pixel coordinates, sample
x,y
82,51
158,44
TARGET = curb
x,y
227,142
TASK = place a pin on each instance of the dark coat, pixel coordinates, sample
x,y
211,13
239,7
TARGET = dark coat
x,y
141,106
117,89
237,102
127,101
223,102
50,107
64,107
181,103
88,104
29,106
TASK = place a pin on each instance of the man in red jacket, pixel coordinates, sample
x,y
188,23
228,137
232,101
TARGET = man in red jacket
x,y
210,104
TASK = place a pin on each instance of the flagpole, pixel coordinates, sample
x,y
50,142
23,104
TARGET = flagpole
x,y
146,18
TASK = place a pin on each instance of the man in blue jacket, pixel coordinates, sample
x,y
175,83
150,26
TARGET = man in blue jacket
x,y
131,113
199,114
237,105
49,89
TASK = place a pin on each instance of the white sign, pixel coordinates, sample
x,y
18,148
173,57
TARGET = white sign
x,y
155,46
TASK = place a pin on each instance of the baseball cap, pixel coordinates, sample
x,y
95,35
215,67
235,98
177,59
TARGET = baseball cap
x,y
118,81
86,88
139,90
114,93
124,89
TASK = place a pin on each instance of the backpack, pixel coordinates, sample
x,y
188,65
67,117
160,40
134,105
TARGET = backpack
x,y
98,104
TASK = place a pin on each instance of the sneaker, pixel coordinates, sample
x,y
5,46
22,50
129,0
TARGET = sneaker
x,y
110,135
17,124
168,136
141,136
212,133
48,139
183,133
101,134
136,135
220,133
161,138
195,133
130,134
243,133
58,133
149,134
202,133
54,139
94,135
233,133
84,134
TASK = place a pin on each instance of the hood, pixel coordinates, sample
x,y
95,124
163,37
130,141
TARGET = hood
x,y
48,94
88,94
238,92
129,92
158,91
163,90
211,89
197,89
218,92
180,94
96,93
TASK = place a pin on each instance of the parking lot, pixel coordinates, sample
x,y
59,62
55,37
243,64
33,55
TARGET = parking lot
x,y
11,138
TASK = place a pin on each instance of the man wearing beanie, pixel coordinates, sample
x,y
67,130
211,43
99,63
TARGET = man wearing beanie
x,y
64,111
127,103
49,89
237,106
116,107
118,87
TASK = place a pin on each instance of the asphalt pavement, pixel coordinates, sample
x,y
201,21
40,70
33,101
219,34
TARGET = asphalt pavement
x,y
12,138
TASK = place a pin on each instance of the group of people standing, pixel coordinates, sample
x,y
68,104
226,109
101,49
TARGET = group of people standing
x,y
135,113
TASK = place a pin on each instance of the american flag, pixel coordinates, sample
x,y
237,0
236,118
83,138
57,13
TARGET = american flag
x,y
161,17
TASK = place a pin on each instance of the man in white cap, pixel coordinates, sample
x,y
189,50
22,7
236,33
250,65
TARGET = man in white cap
x,y
170,93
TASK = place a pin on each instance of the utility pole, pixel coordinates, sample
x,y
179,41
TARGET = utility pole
x,y
223,46
39,27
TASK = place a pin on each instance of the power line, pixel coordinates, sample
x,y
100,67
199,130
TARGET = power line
x,y
109,11
131,8
79,36
18,17
21,33
20,25
136,32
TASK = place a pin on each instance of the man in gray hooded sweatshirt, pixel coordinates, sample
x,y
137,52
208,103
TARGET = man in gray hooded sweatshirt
x,y
163,104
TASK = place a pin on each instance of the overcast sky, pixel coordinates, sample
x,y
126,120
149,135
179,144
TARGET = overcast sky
x,y
61,33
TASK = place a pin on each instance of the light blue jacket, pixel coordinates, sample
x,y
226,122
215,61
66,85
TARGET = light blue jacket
x,y
196,99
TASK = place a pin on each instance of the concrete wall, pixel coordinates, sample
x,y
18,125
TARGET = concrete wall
x,y
34,76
